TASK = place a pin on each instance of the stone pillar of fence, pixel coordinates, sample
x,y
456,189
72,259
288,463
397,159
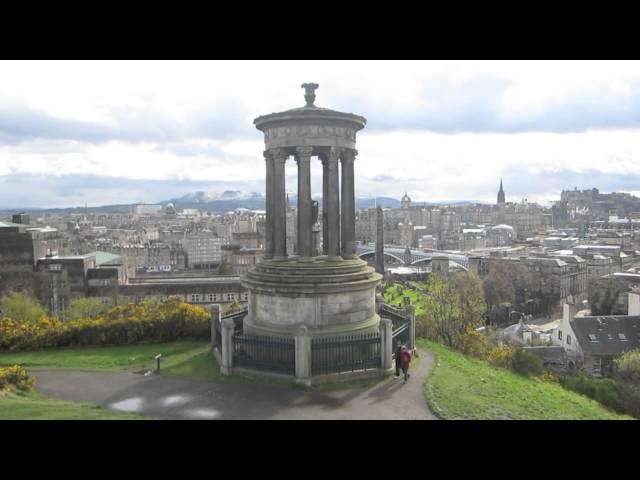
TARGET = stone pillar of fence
x,y
228,326
386,346
303,356
379,302
411,314
215,317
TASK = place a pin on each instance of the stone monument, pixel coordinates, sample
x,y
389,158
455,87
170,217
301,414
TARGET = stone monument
x,y
330,294
379,258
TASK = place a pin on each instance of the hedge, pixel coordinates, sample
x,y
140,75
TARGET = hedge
x,y
120,326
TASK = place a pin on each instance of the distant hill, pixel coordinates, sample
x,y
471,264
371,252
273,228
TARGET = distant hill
x,y
227,201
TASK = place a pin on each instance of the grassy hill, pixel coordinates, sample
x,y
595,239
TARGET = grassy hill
x,y
32,406
465,388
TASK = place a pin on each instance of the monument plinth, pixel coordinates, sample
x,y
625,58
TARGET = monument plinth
x,y
331,294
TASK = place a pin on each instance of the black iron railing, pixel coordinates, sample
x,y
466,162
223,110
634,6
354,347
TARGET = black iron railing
x,y
345,354
395,314
274,354
400,334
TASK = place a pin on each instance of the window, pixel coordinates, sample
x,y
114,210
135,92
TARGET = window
x,y
55,266
195,297
622,337
593,338
609,336
568,339
559,334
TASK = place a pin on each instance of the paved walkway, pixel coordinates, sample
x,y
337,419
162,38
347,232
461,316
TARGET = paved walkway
x,y
168,398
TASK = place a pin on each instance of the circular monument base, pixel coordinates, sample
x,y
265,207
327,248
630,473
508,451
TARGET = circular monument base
x,y
330,296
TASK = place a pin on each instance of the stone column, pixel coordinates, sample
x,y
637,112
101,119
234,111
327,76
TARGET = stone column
x,y
303,356
279,202
215,318
333,204
379,301
386,347
348,210
379,241
325,199
228,326
411,313
305,213
268,240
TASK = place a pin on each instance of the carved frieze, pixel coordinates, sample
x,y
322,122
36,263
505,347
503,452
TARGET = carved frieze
x,y
310,131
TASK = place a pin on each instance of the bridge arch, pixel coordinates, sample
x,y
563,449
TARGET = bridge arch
x,y
372,253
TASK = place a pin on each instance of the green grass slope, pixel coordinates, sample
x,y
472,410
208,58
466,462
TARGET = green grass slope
x,y
464,388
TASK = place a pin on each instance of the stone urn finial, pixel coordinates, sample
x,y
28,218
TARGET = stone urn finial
x,y
310,93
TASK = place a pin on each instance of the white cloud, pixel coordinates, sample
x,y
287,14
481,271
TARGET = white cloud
x,y
193,120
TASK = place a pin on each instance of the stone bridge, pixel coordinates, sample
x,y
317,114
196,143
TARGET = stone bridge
x,y
412,257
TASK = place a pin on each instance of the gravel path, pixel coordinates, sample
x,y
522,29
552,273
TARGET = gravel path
x,y
168,398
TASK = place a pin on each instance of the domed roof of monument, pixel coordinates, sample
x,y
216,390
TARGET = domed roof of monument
x,y
405,198
310,112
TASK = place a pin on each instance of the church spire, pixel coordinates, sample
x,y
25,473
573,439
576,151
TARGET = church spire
x,y
501,196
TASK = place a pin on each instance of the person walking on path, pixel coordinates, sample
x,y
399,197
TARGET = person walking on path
x,y
405,360
398,354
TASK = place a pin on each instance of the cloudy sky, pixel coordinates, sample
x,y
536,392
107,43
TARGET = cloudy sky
x,y
122,132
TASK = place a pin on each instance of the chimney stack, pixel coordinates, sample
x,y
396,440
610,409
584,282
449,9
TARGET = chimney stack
x,y
569,310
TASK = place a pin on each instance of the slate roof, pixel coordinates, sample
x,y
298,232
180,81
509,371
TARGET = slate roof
x,y
606,331
549,354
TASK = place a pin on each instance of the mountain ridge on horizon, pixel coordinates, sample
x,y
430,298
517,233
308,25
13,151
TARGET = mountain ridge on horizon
x,y
229,200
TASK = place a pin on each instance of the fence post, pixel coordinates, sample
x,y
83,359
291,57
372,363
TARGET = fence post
x,y
386,347
379,302
411,314
228,326
215,317
303,356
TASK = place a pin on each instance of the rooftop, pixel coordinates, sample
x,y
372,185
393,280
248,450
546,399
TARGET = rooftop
x,y
607,335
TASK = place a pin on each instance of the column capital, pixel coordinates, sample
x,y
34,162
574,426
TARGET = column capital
x,y
304,152
348,154
334,153
277,153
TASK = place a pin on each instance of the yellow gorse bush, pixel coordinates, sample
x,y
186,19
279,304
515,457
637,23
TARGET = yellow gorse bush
x,y
17,377
126,324
500,356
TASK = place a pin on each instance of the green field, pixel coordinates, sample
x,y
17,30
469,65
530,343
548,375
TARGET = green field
x,y
32,406
392,297
465,388
184,359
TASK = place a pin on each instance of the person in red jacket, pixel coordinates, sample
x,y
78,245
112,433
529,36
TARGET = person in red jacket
x,y
405,360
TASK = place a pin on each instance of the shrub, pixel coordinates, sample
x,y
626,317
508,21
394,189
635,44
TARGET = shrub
x,y
628,366
15,376
526,363
500,356
21,306
474,343
121,325
619,396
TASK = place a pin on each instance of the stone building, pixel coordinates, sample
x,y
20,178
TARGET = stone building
x,y
202,290
62,279
592,343
20,248
203,251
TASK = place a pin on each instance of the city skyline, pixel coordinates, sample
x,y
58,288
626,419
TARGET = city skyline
x,y
124,132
